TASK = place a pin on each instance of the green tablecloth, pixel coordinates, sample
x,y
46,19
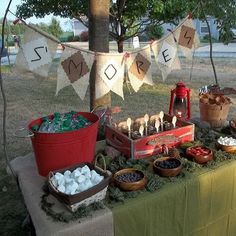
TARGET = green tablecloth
x,y
202,204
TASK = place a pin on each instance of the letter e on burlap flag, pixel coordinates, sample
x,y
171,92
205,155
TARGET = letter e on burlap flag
x,y
165,53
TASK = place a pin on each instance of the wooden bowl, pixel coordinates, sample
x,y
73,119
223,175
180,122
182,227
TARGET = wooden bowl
x,y
226,148
129,185
167,172
199,154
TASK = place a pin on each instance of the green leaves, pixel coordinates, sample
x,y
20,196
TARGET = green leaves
x,y
134,16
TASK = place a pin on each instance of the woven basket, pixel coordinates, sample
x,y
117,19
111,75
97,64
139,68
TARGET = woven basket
x,y
91,195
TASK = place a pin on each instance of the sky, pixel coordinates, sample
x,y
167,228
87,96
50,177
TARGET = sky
x,y
3,4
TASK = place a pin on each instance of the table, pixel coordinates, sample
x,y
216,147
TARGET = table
x,y
30,182
201,204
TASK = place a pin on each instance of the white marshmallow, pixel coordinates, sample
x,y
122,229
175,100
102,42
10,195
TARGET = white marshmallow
x,y
81,179
85,169
61,188
76,173
228,141
67,173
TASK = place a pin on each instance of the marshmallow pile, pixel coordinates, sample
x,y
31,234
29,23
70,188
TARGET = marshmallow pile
x,y
76,181
228,141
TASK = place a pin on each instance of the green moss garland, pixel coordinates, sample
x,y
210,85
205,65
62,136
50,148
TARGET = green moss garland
x,y
205,137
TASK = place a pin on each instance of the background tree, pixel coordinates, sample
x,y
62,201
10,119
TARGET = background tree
x,y
154,32
129,18
53,27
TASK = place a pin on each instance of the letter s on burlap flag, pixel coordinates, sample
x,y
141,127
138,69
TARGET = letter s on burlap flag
x,y
139,68
165,53
36,52
74,70
187,37
110,69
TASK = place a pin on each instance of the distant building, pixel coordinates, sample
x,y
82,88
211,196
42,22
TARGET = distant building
x,y
78,27
201,28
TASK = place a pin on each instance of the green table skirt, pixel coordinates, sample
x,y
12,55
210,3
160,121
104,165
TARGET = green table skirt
x,y
202,204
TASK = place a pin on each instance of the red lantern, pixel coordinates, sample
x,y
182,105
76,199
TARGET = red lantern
x,y
180,102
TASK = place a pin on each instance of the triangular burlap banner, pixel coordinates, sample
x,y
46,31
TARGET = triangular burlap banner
x,y
36,52
110,69
187,37
165,53
74,69
139,68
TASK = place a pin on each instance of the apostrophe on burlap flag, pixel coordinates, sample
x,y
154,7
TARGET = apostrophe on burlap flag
x,y
165,53
139,68
110,68
36,52
187,37
74,70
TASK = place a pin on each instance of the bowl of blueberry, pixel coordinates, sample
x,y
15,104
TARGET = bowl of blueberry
x,y
167,166
130,179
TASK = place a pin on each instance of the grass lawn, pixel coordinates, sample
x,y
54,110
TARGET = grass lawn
x,y
30,97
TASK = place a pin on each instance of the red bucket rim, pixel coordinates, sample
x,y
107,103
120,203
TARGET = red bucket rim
x,y
59,133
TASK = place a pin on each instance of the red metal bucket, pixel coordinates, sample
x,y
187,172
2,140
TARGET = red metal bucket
x,y
54,151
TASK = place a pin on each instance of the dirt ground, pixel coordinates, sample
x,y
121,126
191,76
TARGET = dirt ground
x,y
30,97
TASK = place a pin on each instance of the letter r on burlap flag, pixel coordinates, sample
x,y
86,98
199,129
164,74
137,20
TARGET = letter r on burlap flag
x,y
139,68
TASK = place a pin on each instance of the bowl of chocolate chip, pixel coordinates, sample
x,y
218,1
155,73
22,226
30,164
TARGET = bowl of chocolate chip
x,y
130,179
167,166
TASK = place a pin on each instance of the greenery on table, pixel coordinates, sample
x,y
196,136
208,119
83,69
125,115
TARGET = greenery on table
x,y
66,216
205,137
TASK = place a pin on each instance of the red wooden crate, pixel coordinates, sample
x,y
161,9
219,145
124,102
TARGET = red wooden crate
x,y
152,144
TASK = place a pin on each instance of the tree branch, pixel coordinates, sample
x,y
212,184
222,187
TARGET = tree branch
x,y
3,94
210,39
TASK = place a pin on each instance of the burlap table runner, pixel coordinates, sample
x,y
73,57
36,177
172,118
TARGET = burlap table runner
x,y
99,224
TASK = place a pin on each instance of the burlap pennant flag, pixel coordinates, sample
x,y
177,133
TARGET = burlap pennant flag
x,y
166,57
74,70
139,68
110,68
187,37
155,47
36,52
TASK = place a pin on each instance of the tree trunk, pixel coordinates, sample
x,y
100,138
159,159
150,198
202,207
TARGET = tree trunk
x,y
98,42
120,45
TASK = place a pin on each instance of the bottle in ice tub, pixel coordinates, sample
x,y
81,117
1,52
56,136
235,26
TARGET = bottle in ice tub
x,y
44,125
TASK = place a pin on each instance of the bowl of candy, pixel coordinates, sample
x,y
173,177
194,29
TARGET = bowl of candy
x,y
130,179
167,166
199,154
227,144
